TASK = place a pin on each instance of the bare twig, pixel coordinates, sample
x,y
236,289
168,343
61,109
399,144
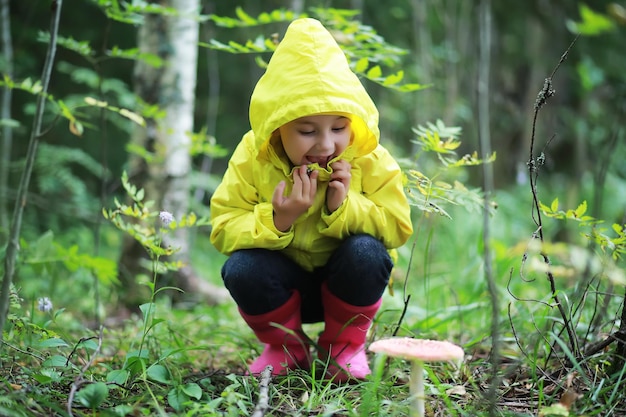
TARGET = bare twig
x,y
534,164
263,403
603,344
25,352
407,297
20,203
82,339
79,381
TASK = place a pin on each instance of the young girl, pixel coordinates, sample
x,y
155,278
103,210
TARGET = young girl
x,y
310,208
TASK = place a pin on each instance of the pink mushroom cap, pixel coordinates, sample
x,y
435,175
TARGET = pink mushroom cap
x,y
418,349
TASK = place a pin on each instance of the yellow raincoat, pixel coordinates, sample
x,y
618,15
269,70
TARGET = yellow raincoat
x,y
308,74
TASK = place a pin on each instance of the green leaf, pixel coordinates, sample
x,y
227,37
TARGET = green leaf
x,y
581,209
136,361
374,72
555,205
393,79
176,398
193,390
140,194
123,410
406,88
51,343
147,310
544,208
245,17
132,116
159,373
12,123
47,376
118,376
93,395
56,361
42,379
592,23
361,65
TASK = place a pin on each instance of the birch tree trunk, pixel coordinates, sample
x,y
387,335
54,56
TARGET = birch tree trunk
x,y
166,180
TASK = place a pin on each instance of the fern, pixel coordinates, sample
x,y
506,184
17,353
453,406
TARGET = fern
x,y
60,185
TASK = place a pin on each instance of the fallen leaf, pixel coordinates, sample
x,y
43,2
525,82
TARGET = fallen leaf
x,y
457,390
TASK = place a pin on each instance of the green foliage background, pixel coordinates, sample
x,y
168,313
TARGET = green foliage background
x,y
69,250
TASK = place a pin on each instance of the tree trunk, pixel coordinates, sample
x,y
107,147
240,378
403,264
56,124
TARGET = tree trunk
x,y
166,179
423,52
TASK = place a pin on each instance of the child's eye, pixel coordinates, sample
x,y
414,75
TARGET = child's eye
x,y
338,129
306,132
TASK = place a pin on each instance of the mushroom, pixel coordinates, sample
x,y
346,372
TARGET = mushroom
x,y
418,351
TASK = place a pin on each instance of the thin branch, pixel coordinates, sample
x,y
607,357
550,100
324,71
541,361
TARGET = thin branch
x,y
534,165
407,297
20,203
25,352
79,381
603,344
263,404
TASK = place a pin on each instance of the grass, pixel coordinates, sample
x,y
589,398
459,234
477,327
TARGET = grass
x,y
194,359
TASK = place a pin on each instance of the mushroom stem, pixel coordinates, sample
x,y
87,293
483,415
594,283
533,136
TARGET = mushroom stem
x,y
416,388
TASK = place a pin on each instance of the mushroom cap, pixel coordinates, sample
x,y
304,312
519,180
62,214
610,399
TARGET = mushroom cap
x,y
421,349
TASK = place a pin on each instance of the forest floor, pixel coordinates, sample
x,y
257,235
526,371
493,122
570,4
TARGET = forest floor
x,y
192,363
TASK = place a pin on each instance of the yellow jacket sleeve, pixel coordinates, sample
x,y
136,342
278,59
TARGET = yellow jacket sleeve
x,y
378,206
239,220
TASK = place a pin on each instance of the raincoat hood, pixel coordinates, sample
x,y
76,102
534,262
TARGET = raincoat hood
x,y
309,74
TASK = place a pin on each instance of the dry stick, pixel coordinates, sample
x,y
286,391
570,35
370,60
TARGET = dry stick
x,y
24,352
407,297
263,403
79,381
533,166
22,192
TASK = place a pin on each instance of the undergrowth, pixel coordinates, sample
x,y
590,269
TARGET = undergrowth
x,y
68,352
191,361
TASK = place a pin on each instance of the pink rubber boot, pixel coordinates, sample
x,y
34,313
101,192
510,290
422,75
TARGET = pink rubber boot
x,y
283,350
343,338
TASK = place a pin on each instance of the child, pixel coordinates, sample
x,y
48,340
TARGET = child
x,y
309,209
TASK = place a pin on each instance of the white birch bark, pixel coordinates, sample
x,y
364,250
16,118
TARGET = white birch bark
x,y
178,96
166,180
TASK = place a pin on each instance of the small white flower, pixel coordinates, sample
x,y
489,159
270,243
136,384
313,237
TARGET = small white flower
x,y
166,217
44,304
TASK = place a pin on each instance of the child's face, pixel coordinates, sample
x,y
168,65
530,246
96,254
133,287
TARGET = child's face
x,y
317,138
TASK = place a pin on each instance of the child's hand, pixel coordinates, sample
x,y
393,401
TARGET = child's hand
x,y
288,209
339,184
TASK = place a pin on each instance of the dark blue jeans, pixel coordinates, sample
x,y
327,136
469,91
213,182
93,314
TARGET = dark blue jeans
x,y
261,280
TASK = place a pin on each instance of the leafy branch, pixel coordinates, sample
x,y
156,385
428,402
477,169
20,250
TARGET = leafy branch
x,y
432,194
367,51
